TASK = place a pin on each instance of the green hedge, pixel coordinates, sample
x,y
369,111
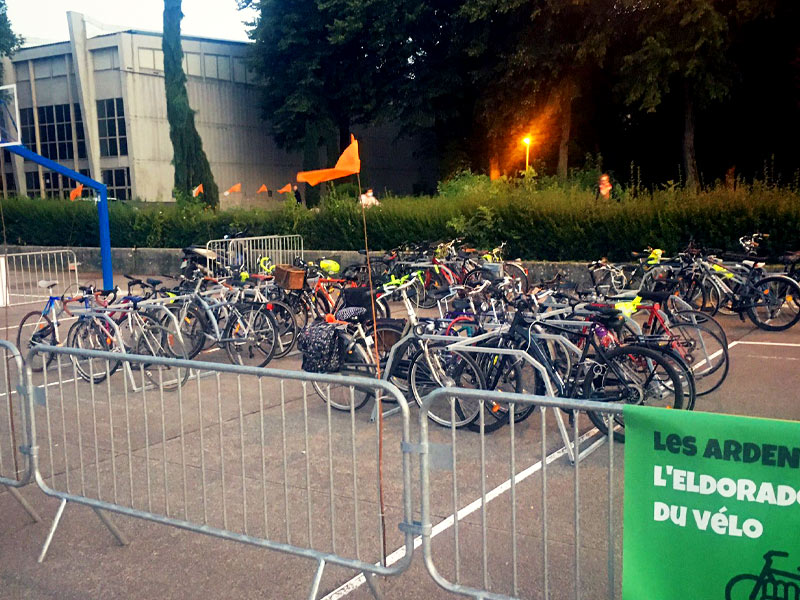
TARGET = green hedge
x,y
539,222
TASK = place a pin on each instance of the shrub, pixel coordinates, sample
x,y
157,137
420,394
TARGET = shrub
x,y
539,218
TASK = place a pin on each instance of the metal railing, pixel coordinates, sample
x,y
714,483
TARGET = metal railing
x,y
517,524
256,456
247,253
240,453
23,271
16,466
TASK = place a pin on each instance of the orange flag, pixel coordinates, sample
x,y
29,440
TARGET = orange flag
x,y
197,191
348,164
237,187
262,189
287,189
76,193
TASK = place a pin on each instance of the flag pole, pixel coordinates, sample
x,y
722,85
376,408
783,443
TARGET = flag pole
x,y
378,398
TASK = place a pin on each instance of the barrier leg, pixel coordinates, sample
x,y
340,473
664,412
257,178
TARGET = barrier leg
x,y
123,541
312,595
52,531
372,582
24,503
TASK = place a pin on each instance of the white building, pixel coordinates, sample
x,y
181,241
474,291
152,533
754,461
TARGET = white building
x,y
97,105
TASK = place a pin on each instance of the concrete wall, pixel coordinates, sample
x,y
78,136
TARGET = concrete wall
x,y
166,261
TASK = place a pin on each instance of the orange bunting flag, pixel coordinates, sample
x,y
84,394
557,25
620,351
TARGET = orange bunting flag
x,y
287,189
348,164
262,189
76,192
197,191
234,188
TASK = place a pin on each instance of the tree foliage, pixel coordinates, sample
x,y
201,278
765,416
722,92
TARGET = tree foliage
x,y
189,159
474,75
9,41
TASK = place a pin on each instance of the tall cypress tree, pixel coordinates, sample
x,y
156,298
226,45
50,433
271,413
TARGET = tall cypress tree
x,y
190,161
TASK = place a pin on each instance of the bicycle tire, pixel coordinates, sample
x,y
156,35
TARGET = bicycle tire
x,y
153,340
250,335
782,292
355,361
287,327
40,331
704,353
660,383
87,334
459,369
517,274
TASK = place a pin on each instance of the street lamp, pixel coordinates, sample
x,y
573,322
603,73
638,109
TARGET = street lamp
x,y
527,141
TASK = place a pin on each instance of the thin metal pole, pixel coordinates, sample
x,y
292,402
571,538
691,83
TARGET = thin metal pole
x,y
52,531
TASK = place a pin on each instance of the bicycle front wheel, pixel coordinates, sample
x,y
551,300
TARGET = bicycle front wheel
x,y
775,303
451,369
632,375
36,329
250,336
355,361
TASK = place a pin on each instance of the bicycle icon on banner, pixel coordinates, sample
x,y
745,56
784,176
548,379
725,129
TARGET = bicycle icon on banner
x,y
770,584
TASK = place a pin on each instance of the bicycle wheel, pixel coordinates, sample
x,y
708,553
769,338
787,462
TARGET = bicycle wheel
x,y
451,369
193,328
386,336
696,317
355,361
518,275
156,340
36,329
250,336
775,303
743,587
632,375
287,327
88,334
703,352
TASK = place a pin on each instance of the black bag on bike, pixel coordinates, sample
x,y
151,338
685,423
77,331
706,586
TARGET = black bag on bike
x,y
320,345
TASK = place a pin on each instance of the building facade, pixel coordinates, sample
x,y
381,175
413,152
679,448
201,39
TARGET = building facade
x,y
97,105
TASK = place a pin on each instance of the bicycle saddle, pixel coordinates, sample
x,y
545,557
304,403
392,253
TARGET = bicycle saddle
x,y
606,315
660,297
354,314
439,293
49,284
154,282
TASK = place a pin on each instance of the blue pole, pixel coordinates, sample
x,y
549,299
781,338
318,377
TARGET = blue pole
x,y
105,239
102,206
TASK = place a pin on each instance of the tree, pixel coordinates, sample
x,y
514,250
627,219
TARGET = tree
x,y
9,41
682,47
537,58
189,159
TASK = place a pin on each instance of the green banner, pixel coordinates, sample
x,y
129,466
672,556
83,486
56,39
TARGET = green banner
x,y
712,507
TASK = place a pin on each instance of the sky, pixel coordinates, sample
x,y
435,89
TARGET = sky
x,y
42,21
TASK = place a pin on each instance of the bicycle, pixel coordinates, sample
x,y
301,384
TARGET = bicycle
x,y
765,585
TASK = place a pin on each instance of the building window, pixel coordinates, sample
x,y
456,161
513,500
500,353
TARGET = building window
x,y
218,67
192,64
111,127
55,131
151,59
11,183
27,127
32,183
118,182
105,59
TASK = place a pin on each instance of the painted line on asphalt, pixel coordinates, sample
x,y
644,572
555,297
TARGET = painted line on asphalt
x,y
359,580
785,344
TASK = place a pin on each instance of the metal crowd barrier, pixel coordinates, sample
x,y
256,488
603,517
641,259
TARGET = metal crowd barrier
x,y
543,563
23,272
248,252
243,454
16,467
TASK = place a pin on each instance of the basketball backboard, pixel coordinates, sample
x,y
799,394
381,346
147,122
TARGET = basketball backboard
x,y
9,116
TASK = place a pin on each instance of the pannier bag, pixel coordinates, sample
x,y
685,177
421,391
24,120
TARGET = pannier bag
x,y
320,346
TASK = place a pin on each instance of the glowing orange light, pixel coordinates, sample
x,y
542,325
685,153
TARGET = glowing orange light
x,y
526,140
